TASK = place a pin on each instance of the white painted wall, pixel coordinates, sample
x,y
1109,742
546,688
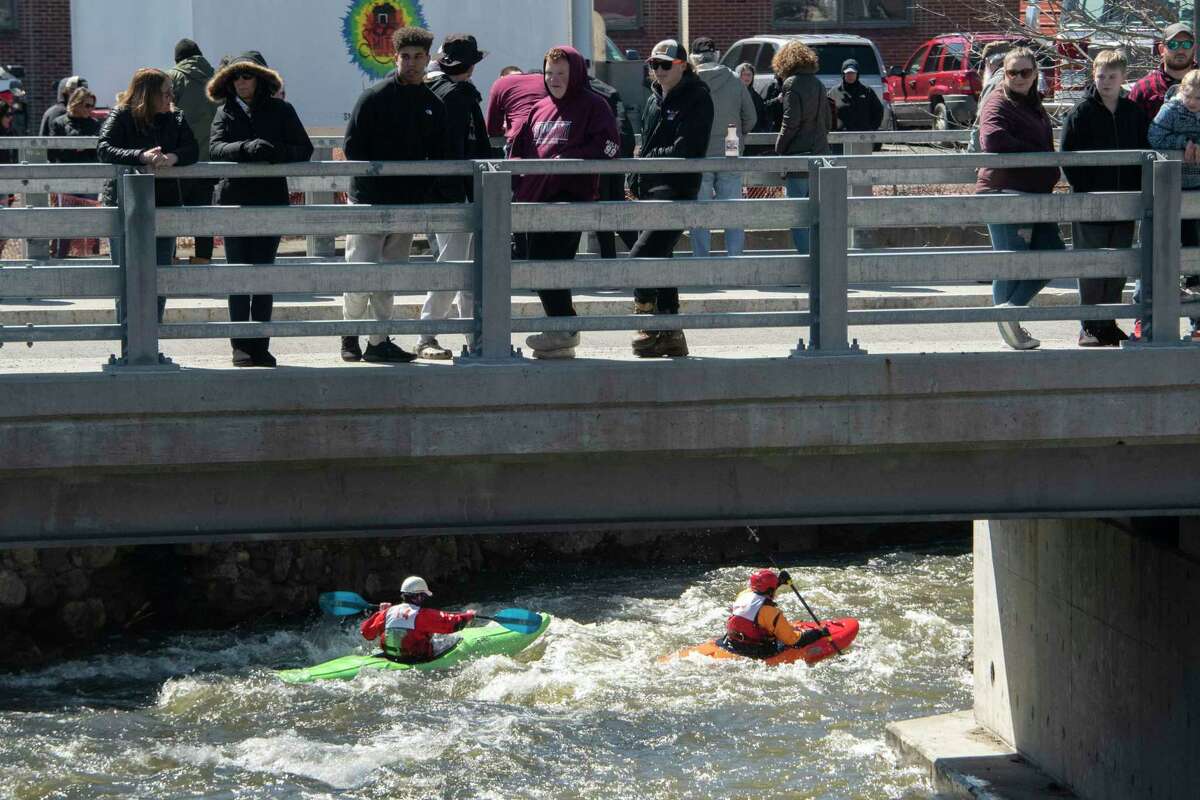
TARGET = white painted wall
x,y
302,39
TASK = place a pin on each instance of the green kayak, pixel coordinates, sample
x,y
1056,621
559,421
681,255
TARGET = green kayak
x,y
486,640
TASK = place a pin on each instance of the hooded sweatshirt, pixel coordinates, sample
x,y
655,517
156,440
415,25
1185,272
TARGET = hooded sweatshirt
x,y
189,79
732,105
510,101
580,124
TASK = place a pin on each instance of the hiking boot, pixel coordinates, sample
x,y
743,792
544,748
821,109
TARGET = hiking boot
x,y
644,339
1017,337
197,261
669,344
241,358
552,340
433,351
351,351
263,358
560,353
386,352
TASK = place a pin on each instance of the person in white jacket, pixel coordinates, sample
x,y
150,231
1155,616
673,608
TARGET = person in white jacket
x,y
732,105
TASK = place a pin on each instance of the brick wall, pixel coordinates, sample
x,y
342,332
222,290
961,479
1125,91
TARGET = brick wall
x,y
726,21
41,44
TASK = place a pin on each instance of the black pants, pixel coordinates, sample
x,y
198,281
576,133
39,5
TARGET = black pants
x,y
657,244
1095,291
557,245
199,192
612,187
244,307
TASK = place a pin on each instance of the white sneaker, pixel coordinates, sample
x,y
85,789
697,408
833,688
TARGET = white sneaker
x,y
1017,337
553,340
1188,294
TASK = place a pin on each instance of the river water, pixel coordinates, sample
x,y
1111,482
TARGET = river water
x,y
587,712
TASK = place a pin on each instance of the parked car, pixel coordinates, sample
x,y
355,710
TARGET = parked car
x,y
939,85
831,50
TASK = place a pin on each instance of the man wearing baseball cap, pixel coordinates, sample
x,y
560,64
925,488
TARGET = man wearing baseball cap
x,y
676,123
1177,49
856,104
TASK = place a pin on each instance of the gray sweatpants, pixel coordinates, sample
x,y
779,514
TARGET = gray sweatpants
x,y
374,248
451,247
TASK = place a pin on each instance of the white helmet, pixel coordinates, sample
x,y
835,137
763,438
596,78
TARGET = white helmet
x,y
414,584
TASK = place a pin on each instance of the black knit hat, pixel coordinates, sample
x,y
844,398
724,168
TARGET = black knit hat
x,y
186,48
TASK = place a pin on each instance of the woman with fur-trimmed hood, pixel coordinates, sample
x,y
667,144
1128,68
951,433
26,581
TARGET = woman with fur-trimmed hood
x,y
253,125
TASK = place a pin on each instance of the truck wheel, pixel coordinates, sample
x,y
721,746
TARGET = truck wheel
x,y
941,118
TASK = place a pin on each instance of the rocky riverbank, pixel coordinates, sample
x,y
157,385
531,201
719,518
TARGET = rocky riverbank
x,y
59,601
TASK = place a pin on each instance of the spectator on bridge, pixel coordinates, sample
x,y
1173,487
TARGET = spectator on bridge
x,y
1177,127
807,119
773,101
1104,120
189,80
7,156
406,630
397,119
66,88
732,108
993,75
676,123
1013,120
253,126
78,121
612,186
510,100
511,69
762,124
144,131
572,121
856,106
467,138
756,627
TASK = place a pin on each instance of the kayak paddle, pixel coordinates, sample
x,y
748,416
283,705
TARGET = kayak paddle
x,y
816,619
343,604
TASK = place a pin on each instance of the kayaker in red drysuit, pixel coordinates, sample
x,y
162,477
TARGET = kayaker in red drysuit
x,y
756,627
405,630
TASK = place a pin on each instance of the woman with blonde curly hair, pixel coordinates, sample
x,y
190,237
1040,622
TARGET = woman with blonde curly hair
x,y
807,117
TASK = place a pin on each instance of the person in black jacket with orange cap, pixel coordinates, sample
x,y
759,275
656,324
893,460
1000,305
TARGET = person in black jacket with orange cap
x,y
676,123
253,125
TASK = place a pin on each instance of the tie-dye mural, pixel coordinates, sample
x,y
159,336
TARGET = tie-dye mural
x,y
368,27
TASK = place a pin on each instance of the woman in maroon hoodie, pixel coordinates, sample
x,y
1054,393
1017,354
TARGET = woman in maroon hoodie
x,y
1012,120
572,121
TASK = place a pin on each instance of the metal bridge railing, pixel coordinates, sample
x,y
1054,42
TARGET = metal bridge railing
x,y
825,273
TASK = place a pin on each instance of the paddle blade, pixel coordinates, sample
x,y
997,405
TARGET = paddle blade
x,y
519,620
342,604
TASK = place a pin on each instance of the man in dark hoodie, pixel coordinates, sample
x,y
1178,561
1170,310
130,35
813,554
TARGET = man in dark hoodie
x,y
467,138
676,123
856,105
189,79
1104,120
572,121
397,119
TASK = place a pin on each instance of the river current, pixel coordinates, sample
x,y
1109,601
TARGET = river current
x,y
587,712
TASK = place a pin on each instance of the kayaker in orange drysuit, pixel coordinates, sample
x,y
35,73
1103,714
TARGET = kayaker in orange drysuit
x,y
756,627
406,630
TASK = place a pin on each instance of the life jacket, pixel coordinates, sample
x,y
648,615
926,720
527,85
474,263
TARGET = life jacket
x,y
401,639
742,625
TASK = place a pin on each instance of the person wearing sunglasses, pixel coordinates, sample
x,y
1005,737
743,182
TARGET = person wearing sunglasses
x,y
1012,120
252,125
78,121
676,122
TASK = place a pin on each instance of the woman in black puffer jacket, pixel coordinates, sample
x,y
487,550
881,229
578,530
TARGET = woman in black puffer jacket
x,y
253,125
143,131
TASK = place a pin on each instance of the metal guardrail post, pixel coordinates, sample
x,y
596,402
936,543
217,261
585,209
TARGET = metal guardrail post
x,y
828,261
860,238
140,273
320,246
493,266
36,248
1161,184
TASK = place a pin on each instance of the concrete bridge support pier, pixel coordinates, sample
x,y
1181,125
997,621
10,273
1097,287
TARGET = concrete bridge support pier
x,y
1087,664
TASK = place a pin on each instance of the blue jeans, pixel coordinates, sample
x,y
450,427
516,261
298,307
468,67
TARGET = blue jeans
x,y
1043,236
719,186
797,186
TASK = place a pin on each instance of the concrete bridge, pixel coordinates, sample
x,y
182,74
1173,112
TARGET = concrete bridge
x,y
1079,467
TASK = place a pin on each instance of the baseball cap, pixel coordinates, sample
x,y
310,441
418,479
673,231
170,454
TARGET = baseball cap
x,y
849,65
703,44
668,50
1174,30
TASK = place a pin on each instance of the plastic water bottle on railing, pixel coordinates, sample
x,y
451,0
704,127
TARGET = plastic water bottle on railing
x,y
731,142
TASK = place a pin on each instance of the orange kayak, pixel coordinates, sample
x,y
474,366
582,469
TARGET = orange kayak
x,y
841,632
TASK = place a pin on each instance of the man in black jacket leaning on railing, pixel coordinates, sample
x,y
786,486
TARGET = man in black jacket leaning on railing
x,y
397,119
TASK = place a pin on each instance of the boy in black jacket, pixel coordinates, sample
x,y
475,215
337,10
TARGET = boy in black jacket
x,y
397,119
1104,120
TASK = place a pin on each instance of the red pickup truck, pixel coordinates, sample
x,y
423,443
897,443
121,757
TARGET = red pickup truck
x,y
939,86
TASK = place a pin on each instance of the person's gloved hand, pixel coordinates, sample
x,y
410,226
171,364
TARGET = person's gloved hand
x,y
259,150
469,615
784,577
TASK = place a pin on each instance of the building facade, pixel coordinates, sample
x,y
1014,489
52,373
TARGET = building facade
x,y
898,27
36,36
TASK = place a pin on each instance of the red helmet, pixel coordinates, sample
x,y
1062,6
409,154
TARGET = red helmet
x,y
764,581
